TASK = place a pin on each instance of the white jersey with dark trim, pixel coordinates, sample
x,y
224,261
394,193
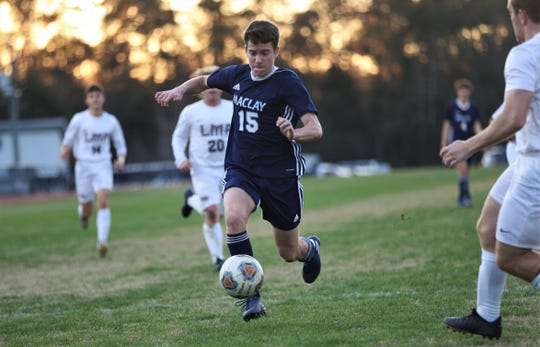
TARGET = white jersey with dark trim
x,y
207,130
90,136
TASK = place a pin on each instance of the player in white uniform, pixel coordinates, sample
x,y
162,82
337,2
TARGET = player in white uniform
x,y
491,279
88,136
205,125
518,224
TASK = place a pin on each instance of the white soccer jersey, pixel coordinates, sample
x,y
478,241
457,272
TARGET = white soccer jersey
x,y
522,71
207,130
90,136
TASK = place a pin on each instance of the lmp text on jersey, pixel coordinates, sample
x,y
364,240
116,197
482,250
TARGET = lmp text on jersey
x,y
215,129
95,137
249,103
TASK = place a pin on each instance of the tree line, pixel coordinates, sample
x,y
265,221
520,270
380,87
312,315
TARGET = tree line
x,y
380,72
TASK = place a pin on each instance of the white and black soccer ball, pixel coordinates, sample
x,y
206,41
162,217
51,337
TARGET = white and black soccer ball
x,y
241,276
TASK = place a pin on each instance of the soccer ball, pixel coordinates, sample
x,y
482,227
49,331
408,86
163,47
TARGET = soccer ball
x,y
241,276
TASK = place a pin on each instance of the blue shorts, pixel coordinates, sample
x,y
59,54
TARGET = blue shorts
x,y
281,199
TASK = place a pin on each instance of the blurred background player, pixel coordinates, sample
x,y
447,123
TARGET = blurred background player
x,y
263,160
461,121
205,126
88,137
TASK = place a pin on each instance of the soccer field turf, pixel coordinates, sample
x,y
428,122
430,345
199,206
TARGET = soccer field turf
x,y
398,256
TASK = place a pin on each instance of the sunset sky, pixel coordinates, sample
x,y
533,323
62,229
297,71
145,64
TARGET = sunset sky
x,y
83,19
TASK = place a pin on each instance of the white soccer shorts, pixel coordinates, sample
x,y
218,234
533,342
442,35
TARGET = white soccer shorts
x,y
499,189
208,185
519,219
91,177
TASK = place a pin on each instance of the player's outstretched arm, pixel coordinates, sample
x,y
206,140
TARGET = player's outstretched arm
x,y
192,86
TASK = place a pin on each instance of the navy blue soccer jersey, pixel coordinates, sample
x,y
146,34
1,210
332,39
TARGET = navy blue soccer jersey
x,y
255,142
462,120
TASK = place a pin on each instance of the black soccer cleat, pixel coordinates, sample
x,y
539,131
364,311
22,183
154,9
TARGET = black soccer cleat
x,y
218,264
252,307
186,209
84,222
464,201
312,265
475,324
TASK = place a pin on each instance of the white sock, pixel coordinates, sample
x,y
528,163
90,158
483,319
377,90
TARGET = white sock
x,y
103,221
195,202
218,236
79,210
490,288
214,240
536,281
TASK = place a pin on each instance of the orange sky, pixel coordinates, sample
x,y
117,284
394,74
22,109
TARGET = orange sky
x,y
83,19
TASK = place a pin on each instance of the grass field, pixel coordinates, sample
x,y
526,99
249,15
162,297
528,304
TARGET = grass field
x,y
398,256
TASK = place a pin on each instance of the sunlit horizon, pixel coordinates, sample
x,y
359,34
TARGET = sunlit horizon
x,y
83,20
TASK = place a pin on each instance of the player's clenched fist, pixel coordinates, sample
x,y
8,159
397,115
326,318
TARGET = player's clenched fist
x,y
286,127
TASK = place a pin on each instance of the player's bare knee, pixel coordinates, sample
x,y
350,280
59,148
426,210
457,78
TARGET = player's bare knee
x,y
236,223
485,230
212,214
103,203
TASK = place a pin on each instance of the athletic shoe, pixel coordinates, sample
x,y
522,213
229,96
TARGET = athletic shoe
x,y
464,202
252,307
102,250
312,265
84,223
186,209
218,264
475,324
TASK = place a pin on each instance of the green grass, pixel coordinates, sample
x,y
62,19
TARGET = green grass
x,y
398,256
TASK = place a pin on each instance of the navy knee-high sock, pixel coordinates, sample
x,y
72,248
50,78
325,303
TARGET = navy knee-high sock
x,y
463,187
239,244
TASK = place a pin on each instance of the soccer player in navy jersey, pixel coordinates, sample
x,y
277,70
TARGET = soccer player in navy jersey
x,y
461,121
263,161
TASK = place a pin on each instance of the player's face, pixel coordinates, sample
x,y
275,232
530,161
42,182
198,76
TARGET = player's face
x,y
212,96
516,24
261,58
463,93
95,100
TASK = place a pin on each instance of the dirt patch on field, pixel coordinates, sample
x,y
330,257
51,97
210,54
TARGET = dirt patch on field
x,y
26,198
135,263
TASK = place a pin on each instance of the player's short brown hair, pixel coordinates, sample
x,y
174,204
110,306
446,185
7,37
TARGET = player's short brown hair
x,y
205,70
94,87
262,31
463,83
532,7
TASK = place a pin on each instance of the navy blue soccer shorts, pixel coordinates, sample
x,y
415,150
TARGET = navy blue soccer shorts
x,y
281,199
